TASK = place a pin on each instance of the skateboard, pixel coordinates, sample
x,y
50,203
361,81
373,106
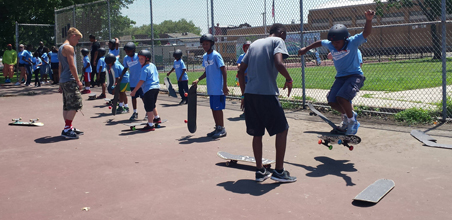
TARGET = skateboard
x,y
133,125
234,158
339,139
110,82
192,99
32,122
92,96
427,140
108,101
376,191
315,111
169,86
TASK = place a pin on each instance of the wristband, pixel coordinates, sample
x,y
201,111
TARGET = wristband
x,y
289,81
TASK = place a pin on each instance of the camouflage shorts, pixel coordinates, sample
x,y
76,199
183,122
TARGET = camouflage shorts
x,y
72,98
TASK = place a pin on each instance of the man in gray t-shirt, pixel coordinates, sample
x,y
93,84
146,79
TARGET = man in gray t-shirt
x,y
263,110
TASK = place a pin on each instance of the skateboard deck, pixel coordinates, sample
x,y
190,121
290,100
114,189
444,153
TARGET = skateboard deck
x,y
234,158
339,139
110,82
192,99
376,191
92,96
133,125
32,122
169,86
335,128
427,140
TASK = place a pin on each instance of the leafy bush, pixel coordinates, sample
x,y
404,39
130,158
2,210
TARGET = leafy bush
x,y
414,116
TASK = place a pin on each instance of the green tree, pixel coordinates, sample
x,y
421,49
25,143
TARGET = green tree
x,y
430,8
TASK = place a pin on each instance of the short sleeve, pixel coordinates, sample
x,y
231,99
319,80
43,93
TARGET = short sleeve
x,y
219,61
280,47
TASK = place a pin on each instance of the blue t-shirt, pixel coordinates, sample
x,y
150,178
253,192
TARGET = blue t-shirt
x,y
346,61
101,63
45,57
214,77
239,61
27,55
360,56
54,57
134,67
117,69
150,76
86,61
179,66
36,61
114,52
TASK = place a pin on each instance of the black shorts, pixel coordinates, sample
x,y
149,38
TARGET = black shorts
x,y
264,112
102,76
22,65
54,66
149,99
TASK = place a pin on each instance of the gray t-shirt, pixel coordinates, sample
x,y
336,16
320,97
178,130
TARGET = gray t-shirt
x,y
262,72
65,75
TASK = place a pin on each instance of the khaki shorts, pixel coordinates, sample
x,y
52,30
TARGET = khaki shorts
x,y
72,98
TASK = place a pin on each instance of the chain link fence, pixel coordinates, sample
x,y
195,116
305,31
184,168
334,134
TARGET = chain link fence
x,y
402,59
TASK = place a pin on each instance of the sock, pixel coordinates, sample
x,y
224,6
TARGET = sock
x,y
134,111
350,120
86,88
126,105
344,116
121,104
156,117
68,125
279,171
150,124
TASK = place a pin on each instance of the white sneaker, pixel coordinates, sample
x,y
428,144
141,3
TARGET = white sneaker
x,y
17,83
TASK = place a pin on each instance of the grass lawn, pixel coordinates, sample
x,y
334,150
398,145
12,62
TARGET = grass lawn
x,y
389,76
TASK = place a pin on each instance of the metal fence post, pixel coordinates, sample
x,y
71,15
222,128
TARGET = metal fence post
x,y
73,15
55,28
17,49
213,24
109,23
152,34
443,57
303,87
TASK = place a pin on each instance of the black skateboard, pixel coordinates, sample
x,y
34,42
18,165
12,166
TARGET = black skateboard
x,y
335,130
192,99
132,126
110,82
169,86
345,140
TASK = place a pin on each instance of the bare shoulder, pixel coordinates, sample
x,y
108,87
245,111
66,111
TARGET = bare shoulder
x,y
68,50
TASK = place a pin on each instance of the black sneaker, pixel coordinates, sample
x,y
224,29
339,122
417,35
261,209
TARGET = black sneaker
x,y
119,110
262,176
77,131
70,134
157,120
181,102
212,133
283,177
125,110
148,128
134,116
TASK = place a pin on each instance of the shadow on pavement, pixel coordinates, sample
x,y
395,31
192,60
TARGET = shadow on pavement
x,y
330,167
318,132
124,121
127,132
189,140
48,139
170,105
237,166
248,187
236,119
100,115
362,203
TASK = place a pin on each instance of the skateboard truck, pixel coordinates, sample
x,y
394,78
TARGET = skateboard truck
x,y
34,120
345,144
16,119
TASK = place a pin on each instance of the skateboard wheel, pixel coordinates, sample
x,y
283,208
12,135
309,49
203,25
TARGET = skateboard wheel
x,y
233,161
227,163
157,126
351,148
185,94
339,141
185,121
109,107
330,147
320,141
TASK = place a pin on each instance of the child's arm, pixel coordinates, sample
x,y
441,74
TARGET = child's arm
x,y
200,78
225,80
182,75
241,76
170,72
84,68
304,50
117,43
368,26
279,64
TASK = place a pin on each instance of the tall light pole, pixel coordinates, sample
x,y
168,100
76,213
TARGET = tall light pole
x,y
265,16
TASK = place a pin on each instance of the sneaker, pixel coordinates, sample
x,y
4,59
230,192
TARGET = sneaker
x,y
212,133
283,177
85,91
7,81
221,132
148,128
352,128
17,83
262,176
126,110
70,134
119,109
77,131
344,124
242,115
157,120
101,96
181,102
134,116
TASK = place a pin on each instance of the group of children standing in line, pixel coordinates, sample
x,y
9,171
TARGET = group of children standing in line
x,y
258,70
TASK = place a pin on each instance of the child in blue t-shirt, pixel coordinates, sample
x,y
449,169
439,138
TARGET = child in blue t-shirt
x,y
115,68
86,70
216,80
113,46
132,64
45,65
245,47
349,76
149,84
181,74
36,67
102,72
